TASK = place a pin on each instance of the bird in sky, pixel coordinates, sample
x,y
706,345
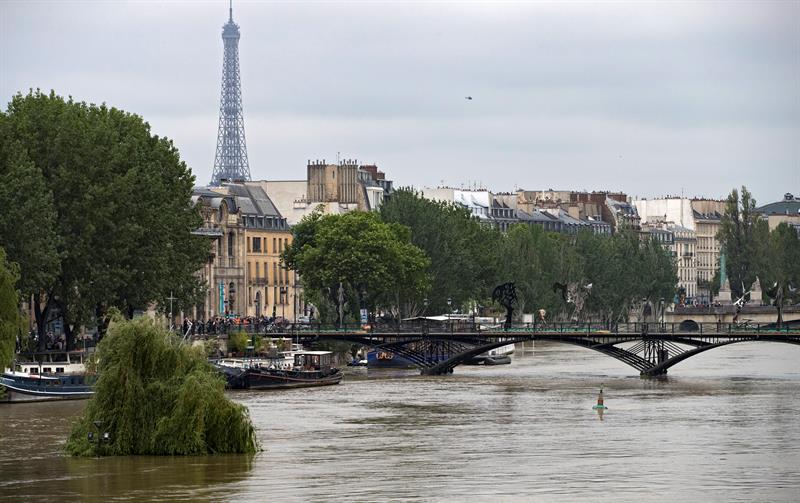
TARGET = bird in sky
x,y
468,98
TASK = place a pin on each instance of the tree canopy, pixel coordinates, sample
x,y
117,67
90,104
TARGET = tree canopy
x,y
371,259
156,395
623,270
10,319
106,207
461,250
744,237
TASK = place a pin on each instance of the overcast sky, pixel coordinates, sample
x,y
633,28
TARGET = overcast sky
x,y
651,98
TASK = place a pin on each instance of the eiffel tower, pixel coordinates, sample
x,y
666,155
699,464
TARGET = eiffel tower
x,y
230,161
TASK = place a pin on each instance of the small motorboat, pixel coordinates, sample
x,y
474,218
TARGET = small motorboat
x,y
497,360
355,362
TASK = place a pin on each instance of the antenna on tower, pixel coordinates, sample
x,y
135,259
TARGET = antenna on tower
x,y
230,10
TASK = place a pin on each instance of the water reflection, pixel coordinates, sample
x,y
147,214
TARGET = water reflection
x,y
195,478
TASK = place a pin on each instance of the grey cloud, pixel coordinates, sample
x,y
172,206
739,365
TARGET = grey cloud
x,y
641,97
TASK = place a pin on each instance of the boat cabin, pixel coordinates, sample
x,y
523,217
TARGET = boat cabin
x,y
313,360
51,362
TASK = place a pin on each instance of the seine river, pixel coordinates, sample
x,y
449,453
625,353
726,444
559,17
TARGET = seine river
x,y
724,427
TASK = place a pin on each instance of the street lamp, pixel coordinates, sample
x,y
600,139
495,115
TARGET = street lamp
x,y
101,437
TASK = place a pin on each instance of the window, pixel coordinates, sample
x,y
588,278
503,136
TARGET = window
x,y
257,245
258,273
274,248
274,273
230,244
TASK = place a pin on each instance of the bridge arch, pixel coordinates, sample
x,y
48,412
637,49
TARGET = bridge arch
x,y
471,345
661,368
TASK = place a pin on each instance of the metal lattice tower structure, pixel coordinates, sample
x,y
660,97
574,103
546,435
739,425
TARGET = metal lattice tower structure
x,y
230,161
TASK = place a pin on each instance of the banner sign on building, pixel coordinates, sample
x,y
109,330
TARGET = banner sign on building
x,y
221,298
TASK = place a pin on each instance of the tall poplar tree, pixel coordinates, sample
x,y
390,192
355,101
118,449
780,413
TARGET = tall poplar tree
x,y
744,237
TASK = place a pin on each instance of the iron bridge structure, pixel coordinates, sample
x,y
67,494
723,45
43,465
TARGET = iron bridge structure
x,y
650,348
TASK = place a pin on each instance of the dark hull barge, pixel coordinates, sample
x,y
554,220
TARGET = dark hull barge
x,y
311,369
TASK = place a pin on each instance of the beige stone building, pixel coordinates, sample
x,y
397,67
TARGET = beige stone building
x,y
243,273
701,217
684,249
707,216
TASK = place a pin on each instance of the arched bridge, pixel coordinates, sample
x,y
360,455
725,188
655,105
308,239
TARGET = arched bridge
x,y
650,348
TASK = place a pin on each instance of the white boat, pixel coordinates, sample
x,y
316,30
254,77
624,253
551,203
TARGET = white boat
x,y
52,362
496,356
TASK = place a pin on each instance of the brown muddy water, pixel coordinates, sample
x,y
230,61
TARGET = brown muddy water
x,y
725,426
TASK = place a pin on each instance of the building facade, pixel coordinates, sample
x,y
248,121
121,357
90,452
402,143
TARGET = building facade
x,y
244,274
330,188
700,217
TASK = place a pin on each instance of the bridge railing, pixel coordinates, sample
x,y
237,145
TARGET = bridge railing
x,y
470,327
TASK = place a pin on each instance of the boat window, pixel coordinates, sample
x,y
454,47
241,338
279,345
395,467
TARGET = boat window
x,y
60,370
47,370
34,370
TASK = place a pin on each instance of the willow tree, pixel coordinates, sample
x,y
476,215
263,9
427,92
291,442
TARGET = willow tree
x,y
156,395
106,205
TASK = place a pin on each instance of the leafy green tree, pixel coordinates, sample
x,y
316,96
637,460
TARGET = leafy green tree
x,y
28,225
157,396
784,259
368,257
744,237
535,259
10,319
115,206
461,250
